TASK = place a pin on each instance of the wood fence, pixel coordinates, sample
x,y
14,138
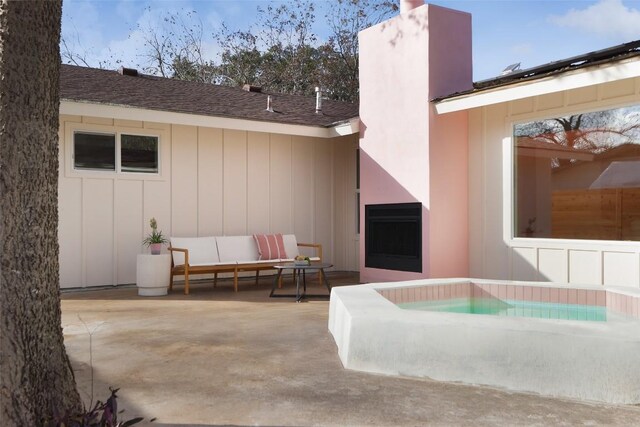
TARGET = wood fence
x,y
603,214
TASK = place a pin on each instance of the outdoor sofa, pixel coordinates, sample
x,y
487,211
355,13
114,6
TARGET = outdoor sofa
x,y
231,254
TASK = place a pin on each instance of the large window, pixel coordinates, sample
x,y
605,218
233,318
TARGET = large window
x,y
115,152
578,176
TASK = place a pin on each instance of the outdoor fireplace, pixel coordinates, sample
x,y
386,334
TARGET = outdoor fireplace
x,y
393,236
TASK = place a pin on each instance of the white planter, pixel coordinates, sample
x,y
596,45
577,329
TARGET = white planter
x,y
152,274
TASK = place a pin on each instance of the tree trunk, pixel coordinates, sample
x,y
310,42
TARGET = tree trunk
x,y
35,373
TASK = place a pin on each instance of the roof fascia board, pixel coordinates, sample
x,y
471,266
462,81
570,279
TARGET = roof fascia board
x,y
557,83
132,113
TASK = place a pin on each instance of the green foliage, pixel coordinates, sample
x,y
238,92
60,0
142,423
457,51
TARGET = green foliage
x,y
282,54
155,236
279,52
340,54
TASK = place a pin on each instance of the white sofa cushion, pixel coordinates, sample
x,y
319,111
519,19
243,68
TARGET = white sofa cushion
x,y
290,246
237,249
202,250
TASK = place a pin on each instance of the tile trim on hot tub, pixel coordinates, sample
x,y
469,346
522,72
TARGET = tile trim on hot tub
x,y
614,300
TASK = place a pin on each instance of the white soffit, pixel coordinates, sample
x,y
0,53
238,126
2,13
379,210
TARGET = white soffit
x,y
132,113
570,80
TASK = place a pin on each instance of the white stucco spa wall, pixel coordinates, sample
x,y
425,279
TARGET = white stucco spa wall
x,y
211,182
493,252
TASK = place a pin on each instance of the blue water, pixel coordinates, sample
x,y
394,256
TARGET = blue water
x,y
512,308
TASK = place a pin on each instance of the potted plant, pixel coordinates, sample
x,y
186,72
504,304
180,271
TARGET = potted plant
x,y
155,240
302,260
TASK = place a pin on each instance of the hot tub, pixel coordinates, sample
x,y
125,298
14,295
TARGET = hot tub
x,y
592,352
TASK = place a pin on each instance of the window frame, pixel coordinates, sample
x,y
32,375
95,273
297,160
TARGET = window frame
x,y
119,153
509,169
74,128
115,148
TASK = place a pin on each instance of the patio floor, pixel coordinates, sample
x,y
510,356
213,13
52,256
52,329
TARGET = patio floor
x,y
217,357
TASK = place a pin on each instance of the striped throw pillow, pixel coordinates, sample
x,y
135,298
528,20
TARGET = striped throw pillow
x,y
270,246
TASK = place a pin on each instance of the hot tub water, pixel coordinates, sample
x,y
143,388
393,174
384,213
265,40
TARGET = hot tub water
x,y
512,308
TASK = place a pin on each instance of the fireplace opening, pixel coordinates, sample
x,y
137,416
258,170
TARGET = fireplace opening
x,y
393,236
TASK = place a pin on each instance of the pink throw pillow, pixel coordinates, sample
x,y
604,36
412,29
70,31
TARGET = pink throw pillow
x,y
270,246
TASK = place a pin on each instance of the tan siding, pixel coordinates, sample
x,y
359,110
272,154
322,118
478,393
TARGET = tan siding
x,y
280,180
522,106
554,100
128,123
323,195
98,232
493,193
303,188
258,152
184,184
70,232
156,126
157,204
69,118
97,121
582,95
128,228
210,182
235,182
346,240
618,89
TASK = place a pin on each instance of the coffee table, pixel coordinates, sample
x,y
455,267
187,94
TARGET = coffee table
x,y
299,274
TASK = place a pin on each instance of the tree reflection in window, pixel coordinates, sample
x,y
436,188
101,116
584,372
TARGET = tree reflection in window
x,y
94,151
139,153
578,176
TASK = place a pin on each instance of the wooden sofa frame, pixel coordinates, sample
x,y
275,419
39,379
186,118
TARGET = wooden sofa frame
x,y
187,271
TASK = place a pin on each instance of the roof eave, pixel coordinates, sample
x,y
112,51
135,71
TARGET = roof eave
x,y
571,79
126,112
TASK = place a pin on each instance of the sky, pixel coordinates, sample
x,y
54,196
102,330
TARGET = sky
x,y
504,31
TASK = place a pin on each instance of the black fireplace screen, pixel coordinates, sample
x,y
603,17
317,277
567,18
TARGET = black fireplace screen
x,y
393,236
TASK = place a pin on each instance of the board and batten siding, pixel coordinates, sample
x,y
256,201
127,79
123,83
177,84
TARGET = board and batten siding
x,y
494,252
211,182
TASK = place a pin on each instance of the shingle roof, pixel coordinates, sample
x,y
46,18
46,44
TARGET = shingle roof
x,y
608,55
157,93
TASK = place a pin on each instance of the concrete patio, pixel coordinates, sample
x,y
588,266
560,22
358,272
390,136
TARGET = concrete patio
x,y
217,357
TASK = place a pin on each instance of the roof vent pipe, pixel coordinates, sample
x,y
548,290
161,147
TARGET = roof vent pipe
x,y
318,100
407,5
269,106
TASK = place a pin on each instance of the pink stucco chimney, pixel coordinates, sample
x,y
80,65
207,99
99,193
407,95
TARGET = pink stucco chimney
x,y
410,156
407,5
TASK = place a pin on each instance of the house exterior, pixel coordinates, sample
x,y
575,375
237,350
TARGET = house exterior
x,y
531,175
497,199
203,160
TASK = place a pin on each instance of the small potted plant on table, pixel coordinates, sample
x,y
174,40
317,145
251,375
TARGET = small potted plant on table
x,y
156,239
301,260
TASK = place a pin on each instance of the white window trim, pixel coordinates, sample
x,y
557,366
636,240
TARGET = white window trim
x,y
71,171
509,189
